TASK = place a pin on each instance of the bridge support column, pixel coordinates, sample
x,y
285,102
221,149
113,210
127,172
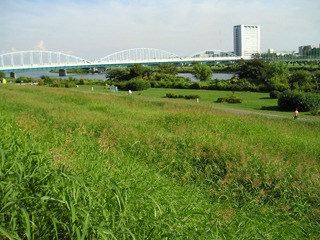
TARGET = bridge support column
x,y
62,72
101,69
13,75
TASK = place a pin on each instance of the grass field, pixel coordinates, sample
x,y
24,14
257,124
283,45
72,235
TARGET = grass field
x,y
253,101
86,165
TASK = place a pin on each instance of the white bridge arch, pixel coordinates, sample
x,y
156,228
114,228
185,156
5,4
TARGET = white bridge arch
x,y
139,54
37,60
37,57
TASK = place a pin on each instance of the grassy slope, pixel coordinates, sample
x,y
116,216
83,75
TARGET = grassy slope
x,y
149,169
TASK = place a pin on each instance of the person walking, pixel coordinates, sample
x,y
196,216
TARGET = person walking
x,y
296,114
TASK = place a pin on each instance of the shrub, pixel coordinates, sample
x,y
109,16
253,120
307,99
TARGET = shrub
x,y
81,82
275,94
137,85
55,85
231,99
40,83
170,95
304,101
315,113
195,85
193,96
69,84
235,100
223,99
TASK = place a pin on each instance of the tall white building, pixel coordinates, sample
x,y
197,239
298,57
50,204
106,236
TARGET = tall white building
x,y
246,39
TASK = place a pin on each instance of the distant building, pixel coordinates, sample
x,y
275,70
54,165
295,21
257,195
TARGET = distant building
x,y
246,39
311,46
270,50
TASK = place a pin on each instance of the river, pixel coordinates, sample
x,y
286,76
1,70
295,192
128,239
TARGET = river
x,y
38,74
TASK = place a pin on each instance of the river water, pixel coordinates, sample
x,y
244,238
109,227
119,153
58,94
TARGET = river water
x,y
38,74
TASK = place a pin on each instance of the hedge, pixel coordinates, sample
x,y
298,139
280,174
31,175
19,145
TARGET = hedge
x,y
304,101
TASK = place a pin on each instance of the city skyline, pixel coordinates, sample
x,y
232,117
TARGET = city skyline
x,y
94,29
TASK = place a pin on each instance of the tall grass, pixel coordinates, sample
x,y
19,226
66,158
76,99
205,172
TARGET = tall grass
x,y
87,166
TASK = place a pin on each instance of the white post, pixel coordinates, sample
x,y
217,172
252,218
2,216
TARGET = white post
x,y
92,88
197,99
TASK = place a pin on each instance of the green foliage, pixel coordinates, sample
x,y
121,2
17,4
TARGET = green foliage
x,y
278,69
167,68
191,96
137,84
301,80
2,75
195,85
304,101
202,72
137,70
81,82
233,84
231,99
25,79
275,94
171,95
46,80
279,83
162,80
118,74
315,113
254,70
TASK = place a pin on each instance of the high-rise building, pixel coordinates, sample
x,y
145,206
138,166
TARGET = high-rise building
x,y
246,39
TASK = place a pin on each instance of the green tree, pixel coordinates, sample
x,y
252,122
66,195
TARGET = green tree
x,y
118,74
254,70
46,79
168,68
148,72
2,75
137,70
278,69
316,79
136,84
300,79
202,72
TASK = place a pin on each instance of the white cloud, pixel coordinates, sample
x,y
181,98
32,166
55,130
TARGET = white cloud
x,y
40,46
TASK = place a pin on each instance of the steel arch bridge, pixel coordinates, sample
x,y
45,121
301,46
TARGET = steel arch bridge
x,y
39,57
139,54
36,60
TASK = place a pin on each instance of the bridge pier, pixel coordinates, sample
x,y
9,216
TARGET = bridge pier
x,y
101,69
13,75
62,72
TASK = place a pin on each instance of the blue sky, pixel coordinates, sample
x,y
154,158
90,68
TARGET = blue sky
x,y
96,28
